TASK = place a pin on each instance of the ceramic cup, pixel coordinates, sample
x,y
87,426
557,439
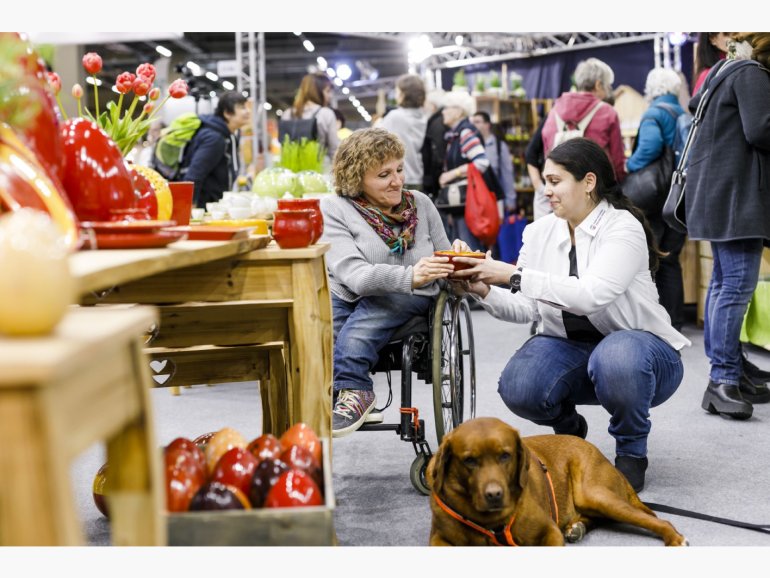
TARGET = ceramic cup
x,y
292,229
182,195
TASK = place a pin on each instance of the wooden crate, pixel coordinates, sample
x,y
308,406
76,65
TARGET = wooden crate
x,y
310,526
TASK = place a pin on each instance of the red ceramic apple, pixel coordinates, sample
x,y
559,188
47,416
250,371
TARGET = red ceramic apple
x,y
93,172
301,434
202,440
267,473
293,489
225,439
100,480
301,459
190,446
235,468
265,446
180,489
217,496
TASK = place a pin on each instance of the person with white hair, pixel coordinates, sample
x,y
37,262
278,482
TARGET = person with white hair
x,y
657,129
464,146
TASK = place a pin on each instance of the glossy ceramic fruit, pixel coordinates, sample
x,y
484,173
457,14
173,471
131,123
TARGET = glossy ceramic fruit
x,y
94,174
190,446
452,255
161,189
146,199
292,229
100,480
223,440
44,133
301,434
235,468
294,488
316,217
265,475
202,440
25,183
301,459
184,477
216,496
265,446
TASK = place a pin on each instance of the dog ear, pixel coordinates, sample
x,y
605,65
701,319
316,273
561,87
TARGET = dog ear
x,y
522,459
439,464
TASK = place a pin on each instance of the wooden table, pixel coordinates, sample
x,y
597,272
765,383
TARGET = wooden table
x,y
229,312
86,382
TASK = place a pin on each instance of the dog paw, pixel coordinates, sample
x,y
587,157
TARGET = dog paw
x,y
679,541
575,532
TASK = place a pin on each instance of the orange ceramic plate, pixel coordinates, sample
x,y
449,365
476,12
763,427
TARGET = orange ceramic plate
x,y
211,233
121,227
137,240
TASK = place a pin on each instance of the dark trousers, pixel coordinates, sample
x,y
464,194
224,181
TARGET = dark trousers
x,y
668,278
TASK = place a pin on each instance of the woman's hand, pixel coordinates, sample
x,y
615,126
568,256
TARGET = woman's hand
x,y
488,271
461,287
428,269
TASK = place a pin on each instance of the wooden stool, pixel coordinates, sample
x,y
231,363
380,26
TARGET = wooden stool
x,y
87,381
210,364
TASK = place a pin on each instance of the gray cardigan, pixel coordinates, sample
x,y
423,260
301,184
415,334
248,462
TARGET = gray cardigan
x,y
360,263
728,174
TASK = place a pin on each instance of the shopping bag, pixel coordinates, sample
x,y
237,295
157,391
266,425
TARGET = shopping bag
x,y
510,238
756,323
481,213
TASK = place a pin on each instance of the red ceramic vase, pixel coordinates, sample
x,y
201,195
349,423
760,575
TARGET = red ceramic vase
x,y
93,172
316,218
292,229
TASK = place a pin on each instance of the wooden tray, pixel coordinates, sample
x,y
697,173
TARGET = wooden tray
x,y
305,526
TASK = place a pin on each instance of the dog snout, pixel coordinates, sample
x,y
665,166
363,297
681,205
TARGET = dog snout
x,y
493,494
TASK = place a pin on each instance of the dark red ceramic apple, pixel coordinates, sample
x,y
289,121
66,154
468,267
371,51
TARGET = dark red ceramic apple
x,y
301,434
295,488
225,439
184,477
265,446
300,458
100,480
202,440
235,468
190,446
217,496
267,473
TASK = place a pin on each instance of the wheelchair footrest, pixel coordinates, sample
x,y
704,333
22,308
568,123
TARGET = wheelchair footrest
x,y
380,427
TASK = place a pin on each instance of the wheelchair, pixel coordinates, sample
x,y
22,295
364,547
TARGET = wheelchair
x,y
439,348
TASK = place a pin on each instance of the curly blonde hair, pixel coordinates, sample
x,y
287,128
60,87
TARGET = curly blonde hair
x,y
364,149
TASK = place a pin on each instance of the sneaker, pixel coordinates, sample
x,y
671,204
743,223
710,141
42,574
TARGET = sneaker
x,y
374,417
633,469
350,411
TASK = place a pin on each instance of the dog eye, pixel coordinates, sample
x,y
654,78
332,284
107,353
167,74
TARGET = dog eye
x,y
504,457
471,462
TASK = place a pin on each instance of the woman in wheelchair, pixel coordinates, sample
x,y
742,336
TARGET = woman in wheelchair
x,y
381,267
585,274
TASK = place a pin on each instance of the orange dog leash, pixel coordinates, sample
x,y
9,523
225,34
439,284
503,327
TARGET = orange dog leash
x,y
503,534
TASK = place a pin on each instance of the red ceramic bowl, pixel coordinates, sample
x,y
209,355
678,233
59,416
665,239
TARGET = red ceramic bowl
x,y
459,266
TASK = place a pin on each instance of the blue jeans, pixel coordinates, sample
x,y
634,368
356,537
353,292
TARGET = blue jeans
x,y
733,281
627,372
456,228
363,328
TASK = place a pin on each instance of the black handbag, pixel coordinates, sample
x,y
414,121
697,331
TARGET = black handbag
x,y
647,187
453,195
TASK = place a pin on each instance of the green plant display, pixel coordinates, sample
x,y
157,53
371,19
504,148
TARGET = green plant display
x,y
459,78
494,80
303,155
481,84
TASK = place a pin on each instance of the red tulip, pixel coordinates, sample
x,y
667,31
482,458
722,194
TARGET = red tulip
x,y
147,70
142,85
54,80
178,88
154,94
77,91
125,82
147,109
92,62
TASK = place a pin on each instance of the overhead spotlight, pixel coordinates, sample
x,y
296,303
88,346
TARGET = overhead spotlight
x,y
331,72
298,34
345,90
268,106
163,51
420,48
343,71
228,85
322,64
459,40
677,38
194,68
338,81
308,45
213,93
211,76
279,112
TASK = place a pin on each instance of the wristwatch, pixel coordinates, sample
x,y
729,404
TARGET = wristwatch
x,y
515,281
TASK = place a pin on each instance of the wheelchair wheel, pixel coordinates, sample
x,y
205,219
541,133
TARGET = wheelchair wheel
x,y
453,363
417,474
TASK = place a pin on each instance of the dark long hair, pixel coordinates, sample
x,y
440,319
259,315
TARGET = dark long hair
x,y
706,54
580,156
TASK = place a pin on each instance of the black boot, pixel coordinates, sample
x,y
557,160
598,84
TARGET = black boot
x,y
753,372
753,391
726,400
633,469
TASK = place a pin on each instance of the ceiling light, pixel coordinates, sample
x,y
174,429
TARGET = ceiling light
x,y
228,85
211,76
459,40
279,112
677,38
343,71
163,51
194,68
345,90
308,45
330,72
338,81
213,94
298,34
420,48
322,64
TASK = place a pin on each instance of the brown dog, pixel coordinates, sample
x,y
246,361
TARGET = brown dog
x,y
486,478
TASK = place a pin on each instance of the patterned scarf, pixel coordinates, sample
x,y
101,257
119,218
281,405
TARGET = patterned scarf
x,y
406,215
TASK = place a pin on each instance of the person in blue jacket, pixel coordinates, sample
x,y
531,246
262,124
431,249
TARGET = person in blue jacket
x,y
656,129
212,158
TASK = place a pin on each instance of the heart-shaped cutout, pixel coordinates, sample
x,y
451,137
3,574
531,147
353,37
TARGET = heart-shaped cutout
x,y
161,379
158,365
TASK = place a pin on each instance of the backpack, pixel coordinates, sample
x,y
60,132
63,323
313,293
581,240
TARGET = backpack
x,y
683,125
171,145
295,129
565,133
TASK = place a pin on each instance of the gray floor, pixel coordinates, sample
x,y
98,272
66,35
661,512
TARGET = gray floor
x,y
697,461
